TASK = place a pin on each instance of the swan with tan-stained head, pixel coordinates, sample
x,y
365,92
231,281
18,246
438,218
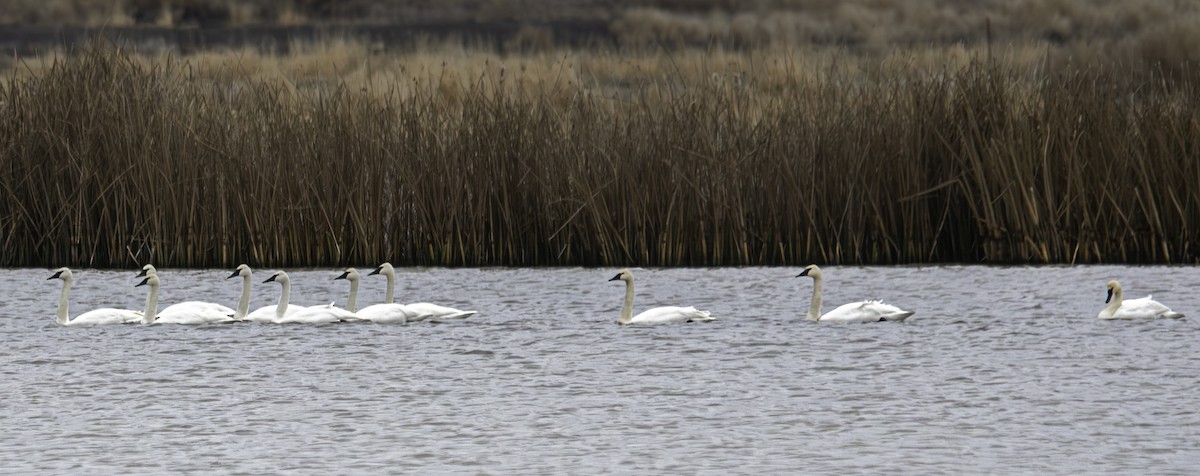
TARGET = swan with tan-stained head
x,y
305,315
1141,308
186,315
413,312
191,311
386,313
862,311
95,317
657,315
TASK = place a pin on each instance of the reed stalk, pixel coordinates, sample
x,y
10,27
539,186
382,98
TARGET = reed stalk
x,y
109,161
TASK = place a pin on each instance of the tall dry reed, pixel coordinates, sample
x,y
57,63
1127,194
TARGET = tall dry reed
x,y
108,161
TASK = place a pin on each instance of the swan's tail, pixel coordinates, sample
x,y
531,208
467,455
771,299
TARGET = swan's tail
x,y
898,316
700,316
452,317
1172,315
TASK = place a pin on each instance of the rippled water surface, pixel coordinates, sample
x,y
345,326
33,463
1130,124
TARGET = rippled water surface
x,y
1002,370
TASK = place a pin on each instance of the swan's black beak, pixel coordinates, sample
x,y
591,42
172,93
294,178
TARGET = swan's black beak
x,y
343,276
272,278
236,273
616,278
143,283
56,276
377,271
143,273
803,273
1109,298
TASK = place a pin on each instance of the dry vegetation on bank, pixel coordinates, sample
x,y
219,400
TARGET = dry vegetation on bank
x,y
700,132
694,157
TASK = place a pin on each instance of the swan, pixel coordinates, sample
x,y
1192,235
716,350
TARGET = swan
x,y
95,317
658,315
862,311
272,313
179,315
243,308
385,313
1142,308
422,310
349,314
196,308
305,315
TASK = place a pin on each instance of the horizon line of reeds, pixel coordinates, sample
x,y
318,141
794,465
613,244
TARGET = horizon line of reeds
x,y
111,163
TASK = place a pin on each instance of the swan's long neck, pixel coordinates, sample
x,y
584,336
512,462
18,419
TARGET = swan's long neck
x,y
151,305
244,303
814,307
63,316
284,298
352,303
1115,302
627,308
391,288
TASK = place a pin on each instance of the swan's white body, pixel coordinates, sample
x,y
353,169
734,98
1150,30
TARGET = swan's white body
x,y
322,314
658,315
95,317
411,312
1141,308
181,315
269,314
190,312
384,313
862,311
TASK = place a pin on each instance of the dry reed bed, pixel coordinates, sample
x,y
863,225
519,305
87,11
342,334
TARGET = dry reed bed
x,y
107,161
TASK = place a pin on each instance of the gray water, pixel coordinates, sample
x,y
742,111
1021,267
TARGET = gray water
x,y
1002,370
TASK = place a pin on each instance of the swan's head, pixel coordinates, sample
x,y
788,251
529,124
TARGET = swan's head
x,y
63,274
280,277
242,270
147,270
350,274
1113,288
386,269
623,275
812,271
151,281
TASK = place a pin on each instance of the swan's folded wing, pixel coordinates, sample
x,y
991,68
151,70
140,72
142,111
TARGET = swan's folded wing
x,y
106,316
424,310
671,314
385,313
866,311
1143,308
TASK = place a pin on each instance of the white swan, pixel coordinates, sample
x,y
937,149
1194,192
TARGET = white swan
x,y
305,315
191,308
1142,308
658,315
95,317
274,312
243,308
422,310
863,311
179,315
385,313
349,314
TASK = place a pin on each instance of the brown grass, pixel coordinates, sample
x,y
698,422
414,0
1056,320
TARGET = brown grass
x,y
711,158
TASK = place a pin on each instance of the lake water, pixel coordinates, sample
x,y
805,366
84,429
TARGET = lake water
x,y
1002,370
